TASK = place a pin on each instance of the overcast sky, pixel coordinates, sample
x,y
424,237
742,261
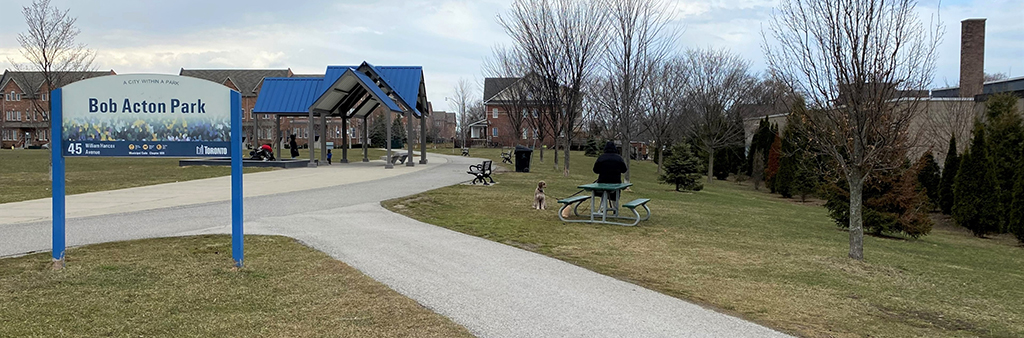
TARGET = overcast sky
x,y
450,39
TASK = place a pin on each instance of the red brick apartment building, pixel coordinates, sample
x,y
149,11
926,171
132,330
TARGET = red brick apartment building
x,y
500,97
25,104
443,126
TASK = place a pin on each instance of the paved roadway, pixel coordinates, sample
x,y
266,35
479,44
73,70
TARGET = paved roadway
x,y
492,289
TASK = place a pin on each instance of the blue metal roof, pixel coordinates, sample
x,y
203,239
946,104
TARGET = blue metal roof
x,y
375,90
281,95
331,75
405,80
298,95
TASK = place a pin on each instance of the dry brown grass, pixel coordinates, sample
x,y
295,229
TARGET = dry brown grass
x,y
185,287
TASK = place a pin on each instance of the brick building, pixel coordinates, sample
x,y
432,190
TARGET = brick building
x,y
501,97
443,126
25,104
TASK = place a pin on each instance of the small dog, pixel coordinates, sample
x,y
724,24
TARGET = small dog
x,y
539,200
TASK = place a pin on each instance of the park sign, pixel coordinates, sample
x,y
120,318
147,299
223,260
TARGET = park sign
x,y
146,115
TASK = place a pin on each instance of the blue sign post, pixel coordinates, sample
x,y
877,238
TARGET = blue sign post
x,y
145,115
236,179
57,161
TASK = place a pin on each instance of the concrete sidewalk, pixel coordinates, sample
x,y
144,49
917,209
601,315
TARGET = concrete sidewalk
x,y
492,289
201,191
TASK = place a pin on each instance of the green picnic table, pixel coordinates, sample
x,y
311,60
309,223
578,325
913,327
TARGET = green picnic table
x,y
608,208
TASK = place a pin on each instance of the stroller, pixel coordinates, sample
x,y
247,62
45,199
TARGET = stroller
x,y
263,153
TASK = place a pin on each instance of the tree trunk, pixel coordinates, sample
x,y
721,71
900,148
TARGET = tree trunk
x,y
711,165
568,146
627,150
661,157
856,216
555,149
541,150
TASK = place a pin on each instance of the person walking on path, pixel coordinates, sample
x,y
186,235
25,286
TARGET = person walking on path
x,y
294,146
329,156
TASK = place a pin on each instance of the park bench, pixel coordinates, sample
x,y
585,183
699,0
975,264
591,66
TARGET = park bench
x,y
639,202
482,172
506,156
396,158
567,202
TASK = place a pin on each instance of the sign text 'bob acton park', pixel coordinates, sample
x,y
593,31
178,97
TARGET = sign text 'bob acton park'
x,y
127,106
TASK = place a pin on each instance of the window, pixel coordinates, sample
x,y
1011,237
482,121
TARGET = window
x,y
45,96
494,112
13,96
524,133
13,115
534,112
251,115
46,116
524,112
534,133
42,134
494,131
8,135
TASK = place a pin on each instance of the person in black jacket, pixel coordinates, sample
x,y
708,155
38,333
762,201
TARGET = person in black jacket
x,y
294,146
610,166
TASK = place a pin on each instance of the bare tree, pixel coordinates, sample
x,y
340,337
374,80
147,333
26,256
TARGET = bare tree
x,y
50,47
638,39
664,93
561,41
719,84
536,121
463,99
855,60
989,77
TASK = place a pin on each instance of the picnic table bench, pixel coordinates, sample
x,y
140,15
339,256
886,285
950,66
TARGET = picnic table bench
x,y
396,158
609,207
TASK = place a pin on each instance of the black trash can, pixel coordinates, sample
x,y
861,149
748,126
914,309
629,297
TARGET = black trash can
x,y
523,155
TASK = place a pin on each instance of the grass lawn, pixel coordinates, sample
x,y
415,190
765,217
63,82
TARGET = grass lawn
x,y
25,174
185,287
763,258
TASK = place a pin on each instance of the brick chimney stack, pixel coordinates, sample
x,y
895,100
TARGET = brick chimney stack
x,y
972,57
